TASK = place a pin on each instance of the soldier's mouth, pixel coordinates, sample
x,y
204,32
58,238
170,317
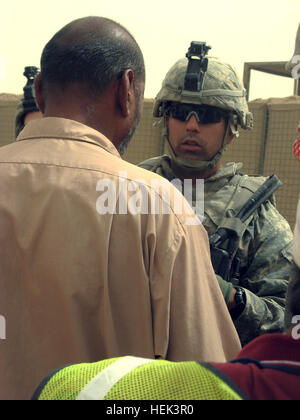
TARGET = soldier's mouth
x,y
190,145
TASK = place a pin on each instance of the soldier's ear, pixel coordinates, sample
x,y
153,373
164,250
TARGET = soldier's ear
x,y
39,93
233,132
167,119
230,138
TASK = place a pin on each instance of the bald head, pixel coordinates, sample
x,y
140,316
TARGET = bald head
x,y
92,71
92,51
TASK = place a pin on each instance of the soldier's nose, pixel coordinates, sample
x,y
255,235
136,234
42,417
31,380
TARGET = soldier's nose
x,y
192,123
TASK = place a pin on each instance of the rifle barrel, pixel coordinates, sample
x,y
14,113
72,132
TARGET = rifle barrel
x,y
255,201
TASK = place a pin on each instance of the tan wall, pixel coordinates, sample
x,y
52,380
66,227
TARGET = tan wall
x,y
8,106
265,150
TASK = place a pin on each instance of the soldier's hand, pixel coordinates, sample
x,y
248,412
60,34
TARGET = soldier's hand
x,y
227,290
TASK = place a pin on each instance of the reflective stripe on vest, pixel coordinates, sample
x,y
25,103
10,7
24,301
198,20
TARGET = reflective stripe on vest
x,y
102,383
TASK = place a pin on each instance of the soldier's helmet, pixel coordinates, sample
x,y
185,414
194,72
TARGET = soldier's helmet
x,y
222,88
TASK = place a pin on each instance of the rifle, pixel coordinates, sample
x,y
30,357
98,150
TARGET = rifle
x,y
224,261
28,101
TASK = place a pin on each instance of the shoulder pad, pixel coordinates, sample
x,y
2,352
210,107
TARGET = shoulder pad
x,y
252,182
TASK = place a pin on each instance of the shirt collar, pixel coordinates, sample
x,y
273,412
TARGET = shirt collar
x,y
226,171
65,129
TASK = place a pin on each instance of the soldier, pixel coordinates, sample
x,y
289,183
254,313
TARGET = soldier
x,y
198,125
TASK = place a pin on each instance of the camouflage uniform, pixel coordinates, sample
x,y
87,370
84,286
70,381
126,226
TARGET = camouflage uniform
x,y
264,250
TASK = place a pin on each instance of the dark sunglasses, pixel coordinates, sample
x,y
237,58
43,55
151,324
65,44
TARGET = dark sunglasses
x,y
204,114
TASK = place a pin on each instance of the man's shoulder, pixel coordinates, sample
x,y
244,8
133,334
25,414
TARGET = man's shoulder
x,y
233,186
225,199
251,182
232,171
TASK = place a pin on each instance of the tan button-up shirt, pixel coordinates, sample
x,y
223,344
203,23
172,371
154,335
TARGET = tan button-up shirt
x,y
87,271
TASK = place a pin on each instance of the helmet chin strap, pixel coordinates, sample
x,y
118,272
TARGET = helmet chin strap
x,y
191,165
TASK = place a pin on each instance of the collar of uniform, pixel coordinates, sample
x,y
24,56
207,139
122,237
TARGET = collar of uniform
x,y
167,170
273,347
64,129
226,171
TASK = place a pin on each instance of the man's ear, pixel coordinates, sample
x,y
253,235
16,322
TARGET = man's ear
x,y
39,93
126,93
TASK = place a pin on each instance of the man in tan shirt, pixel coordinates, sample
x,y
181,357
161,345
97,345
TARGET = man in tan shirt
x,y
95,262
